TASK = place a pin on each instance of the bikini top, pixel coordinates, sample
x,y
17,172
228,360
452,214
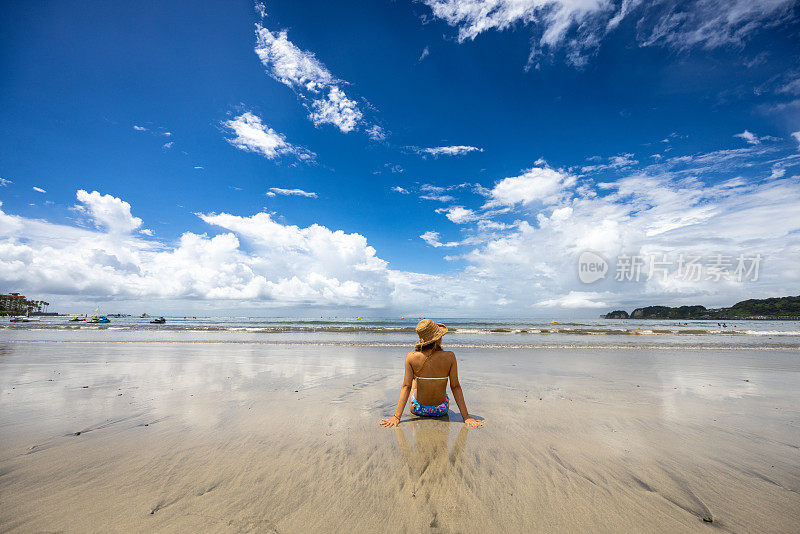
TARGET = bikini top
x,y
423,367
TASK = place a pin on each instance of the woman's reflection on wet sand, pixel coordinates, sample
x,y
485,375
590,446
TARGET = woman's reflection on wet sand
x,y
433,467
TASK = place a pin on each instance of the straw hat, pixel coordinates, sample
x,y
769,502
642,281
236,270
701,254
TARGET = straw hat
x,y
428,332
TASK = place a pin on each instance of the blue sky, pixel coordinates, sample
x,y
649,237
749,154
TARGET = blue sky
x,y
404,156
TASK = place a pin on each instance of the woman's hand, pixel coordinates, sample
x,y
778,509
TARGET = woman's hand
x,y
471,421
392,421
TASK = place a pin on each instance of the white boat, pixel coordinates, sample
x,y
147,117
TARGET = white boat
x,y
24,319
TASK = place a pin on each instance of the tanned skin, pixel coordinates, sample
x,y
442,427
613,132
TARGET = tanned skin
x,y
430,392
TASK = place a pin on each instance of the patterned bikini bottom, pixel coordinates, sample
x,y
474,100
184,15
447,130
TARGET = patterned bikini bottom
x,y
430,411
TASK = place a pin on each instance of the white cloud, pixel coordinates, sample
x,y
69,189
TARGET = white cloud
x,y
620,161
433,188
710,23
253,259
4,182
166,134
432,238
401,190
777,172
139,128
507,266
107,212
376,133
579,26
455,150
252,135
335,109
796,136
749,137
460,215
290,192
425,53
537,184
577,299
303,72
791,87
438,197
261,9
198,167
395,168
168,145
290,65
37,189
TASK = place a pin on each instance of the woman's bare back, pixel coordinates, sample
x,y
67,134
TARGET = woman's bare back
x,y
432,387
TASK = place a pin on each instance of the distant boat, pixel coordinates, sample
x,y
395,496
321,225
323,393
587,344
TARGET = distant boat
x,y
24,318
160,320
98,319
77,320
143,316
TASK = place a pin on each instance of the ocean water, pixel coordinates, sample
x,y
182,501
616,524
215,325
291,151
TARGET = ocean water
x,y
516,332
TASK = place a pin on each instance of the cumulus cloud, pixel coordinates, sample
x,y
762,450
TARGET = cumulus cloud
x,y
460,215
579,26
107,212
252,135
455,150
290,192
254,259
4,182
537,184
401,190
310,78
335,109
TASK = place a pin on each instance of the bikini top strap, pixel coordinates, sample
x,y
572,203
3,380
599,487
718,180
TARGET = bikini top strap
x,y
427,359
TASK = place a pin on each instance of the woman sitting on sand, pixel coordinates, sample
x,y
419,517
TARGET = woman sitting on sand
x,y
427,369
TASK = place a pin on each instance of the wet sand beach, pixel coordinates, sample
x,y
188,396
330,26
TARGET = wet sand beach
x,y
111,437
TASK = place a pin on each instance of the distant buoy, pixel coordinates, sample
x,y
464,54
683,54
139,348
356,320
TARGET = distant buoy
x,y
359,318
555,322
402,317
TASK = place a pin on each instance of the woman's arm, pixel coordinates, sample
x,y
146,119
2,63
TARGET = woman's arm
x,y
405,391
458,395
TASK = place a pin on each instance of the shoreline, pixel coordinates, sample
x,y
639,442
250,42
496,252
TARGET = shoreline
x,y
406,345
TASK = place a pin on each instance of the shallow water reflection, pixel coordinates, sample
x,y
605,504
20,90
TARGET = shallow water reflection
x,y
432,462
